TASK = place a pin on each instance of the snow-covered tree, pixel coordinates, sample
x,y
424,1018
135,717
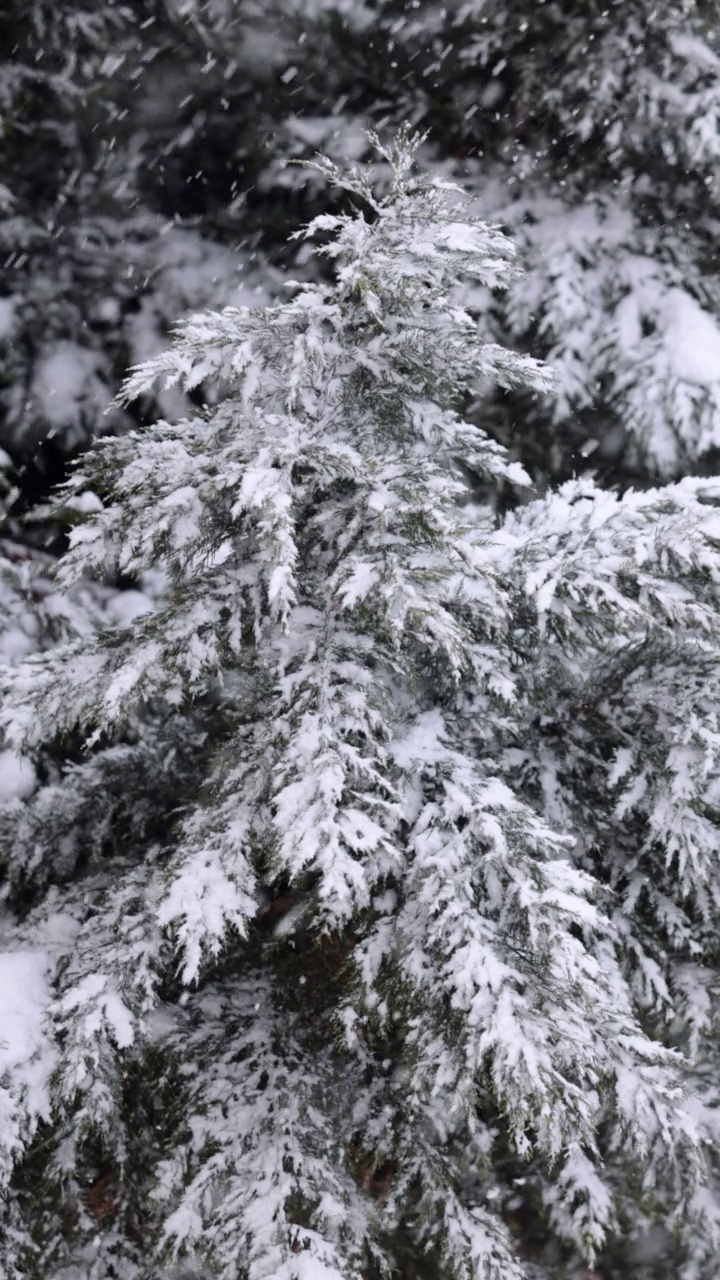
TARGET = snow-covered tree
x,y
52,824
134,135
590,130
55,76
612,173
358,940
100,251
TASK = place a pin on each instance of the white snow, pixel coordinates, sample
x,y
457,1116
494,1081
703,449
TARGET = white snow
x,y
124,608
101,1002
66,380
108,309
17,777
692,339
15,644
25,1048
695,51
85,502
7,317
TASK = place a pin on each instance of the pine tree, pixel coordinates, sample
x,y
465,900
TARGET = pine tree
x,y
373,956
